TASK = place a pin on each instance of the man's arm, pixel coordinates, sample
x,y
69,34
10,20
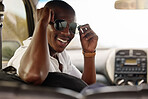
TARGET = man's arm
x,y
89,42
89,72
34,65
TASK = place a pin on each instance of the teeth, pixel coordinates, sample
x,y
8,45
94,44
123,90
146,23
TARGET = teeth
x,y
63,41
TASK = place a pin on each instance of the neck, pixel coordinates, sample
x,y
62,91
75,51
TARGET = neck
x,y
52,51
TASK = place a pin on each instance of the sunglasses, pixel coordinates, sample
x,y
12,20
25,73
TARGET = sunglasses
x,y
62,24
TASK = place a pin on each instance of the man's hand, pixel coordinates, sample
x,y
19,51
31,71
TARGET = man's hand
x,y
88,38
45,15
89,41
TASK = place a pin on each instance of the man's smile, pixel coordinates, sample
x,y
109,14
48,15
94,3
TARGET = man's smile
x,y
63,41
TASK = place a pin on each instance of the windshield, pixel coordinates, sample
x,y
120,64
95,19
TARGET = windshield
x,y
115,28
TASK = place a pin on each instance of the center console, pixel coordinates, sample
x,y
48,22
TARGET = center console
x,y
128,66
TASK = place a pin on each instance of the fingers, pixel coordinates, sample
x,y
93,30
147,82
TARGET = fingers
x,y
87,33
52,16
45,14
39,13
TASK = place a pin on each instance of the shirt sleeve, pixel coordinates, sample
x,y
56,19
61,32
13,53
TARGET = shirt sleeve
x,y
15,60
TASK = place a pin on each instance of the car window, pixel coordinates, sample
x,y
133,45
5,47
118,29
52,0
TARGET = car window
x,y
14,24
14,29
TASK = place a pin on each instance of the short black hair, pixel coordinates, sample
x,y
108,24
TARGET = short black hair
x,y
59,3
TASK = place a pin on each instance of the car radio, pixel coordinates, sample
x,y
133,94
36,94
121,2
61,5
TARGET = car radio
x,y
130,67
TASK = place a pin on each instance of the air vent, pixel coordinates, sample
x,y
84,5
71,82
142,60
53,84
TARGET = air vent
x,y
139,53
122,53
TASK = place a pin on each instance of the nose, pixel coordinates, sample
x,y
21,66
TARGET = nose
x,y
66,31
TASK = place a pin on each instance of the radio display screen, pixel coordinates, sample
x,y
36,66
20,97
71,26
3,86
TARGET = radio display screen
x,y
130,61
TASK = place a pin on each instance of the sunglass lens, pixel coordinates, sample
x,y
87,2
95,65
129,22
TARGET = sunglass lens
x,y
60,24
72,27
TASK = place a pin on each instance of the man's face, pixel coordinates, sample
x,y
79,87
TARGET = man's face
x,y
58,40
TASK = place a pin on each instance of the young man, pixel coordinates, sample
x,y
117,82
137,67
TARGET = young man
x,y
45,51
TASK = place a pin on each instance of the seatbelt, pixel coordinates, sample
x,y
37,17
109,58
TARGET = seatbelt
x,y
1,25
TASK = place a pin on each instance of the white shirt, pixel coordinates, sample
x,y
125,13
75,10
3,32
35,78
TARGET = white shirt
x,y
64,59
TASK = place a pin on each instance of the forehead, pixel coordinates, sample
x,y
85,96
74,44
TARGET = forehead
x,y
65,14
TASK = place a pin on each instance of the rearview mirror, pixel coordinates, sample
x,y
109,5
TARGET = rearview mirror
x,y
131,4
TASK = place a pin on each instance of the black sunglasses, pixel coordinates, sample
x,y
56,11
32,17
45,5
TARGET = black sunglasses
x,y
62,24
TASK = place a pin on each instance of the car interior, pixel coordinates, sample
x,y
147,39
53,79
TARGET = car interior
x,y
122,70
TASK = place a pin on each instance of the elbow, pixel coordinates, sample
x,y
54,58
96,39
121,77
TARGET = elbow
x,y
32,78
33,72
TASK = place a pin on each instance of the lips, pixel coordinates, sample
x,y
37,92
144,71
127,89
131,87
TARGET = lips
x,y
62,42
